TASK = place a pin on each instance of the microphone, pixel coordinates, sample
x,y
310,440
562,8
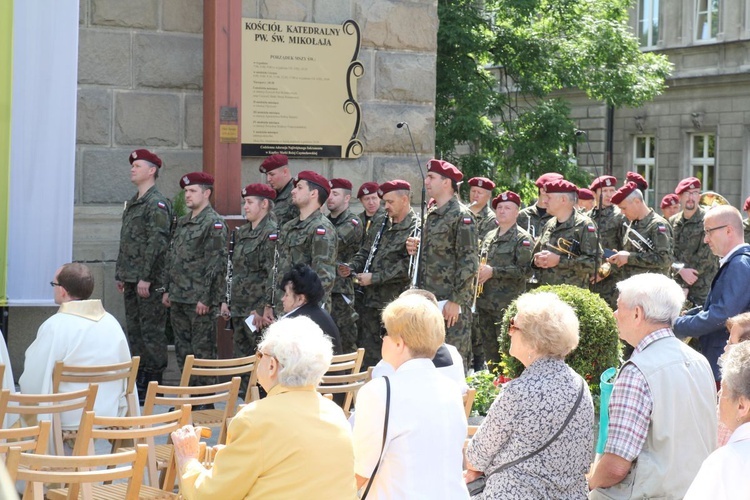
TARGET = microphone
x,y
579,133
424,192
401,124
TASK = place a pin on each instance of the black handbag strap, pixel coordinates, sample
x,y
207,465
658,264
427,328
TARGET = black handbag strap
x,y
385,433
550,441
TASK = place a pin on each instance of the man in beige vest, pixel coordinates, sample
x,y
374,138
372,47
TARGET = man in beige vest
x,y
662,413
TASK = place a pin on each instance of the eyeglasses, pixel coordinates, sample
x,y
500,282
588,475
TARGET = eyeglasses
x,y
513,325
383,332
259,354
53,284
709,231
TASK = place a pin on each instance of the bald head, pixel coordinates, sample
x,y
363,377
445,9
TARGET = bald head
x,y
722,229
725,214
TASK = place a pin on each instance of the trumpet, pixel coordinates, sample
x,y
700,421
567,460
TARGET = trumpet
x,y
641,243
479,287
571,248
414,259
712,199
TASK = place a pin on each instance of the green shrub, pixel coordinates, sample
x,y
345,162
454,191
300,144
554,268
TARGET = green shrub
x,y
488,387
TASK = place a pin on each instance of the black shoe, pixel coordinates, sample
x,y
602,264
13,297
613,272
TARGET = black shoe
x,y
209,406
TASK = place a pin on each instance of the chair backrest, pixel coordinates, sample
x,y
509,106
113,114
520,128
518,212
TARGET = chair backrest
x,y
34,407
38,470
469,400
343,364
198,367
343,384
225,393
126,371
34,438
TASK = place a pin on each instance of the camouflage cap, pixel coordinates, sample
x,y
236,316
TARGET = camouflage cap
x,y
144,154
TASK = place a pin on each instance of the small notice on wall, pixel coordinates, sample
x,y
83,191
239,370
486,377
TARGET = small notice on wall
x,y
299,89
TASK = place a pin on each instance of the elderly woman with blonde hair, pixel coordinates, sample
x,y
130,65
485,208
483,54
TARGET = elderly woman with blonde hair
x,y
537,439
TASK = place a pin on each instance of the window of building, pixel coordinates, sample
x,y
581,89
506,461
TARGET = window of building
x,y
644,162
648,22
706,19
703,159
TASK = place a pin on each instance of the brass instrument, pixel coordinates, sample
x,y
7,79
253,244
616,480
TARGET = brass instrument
x,y
641,243
712,199
604,270
479,287
571,248
414,259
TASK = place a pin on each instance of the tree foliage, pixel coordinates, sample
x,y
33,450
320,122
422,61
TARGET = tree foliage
x,y
499,63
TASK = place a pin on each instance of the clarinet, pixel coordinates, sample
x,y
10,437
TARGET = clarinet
x,y
230,272
274,272
375,245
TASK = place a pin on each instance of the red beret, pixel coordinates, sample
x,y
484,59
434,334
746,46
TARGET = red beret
x,y
315,178
506,196
670,200
689,183
445,169
624,192
482,182
367,188
548,177
585,194
145,154
746,206
197,178
272,163
560,186
603,181
394,185
340,183
262,190
639,181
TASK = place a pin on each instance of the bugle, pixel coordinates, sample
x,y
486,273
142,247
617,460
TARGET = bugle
x,y
640,242
479,287
414,259
571,248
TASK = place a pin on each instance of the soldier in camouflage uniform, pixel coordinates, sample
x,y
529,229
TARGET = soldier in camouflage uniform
x,y
655,255
144,239
449,259
570,230
388,272
609,222
480,194
349,233
195,283
252,269
586,201
507,250
278,176
309,238
533,218
368,197
699,264
670,205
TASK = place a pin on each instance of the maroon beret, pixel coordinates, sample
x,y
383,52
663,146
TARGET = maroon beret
x,y
636,178
603,181
315,178
548,177
445,169
585,194
272,163
197,178
624,192
689,183
746,206
340,183
262,190
394,185
367,188
506,196
145,154
560,186
670,200
482,182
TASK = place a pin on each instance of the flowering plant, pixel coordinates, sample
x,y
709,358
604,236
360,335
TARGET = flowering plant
x,y
488,386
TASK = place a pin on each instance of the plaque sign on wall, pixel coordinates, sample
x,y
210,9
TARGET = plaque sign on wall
x,y
299,89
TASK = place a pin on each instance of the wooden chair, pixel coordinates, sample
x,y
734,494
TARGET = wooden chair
x,y
344,364
31,406
469,400
34,438
197,367
38,470
343,384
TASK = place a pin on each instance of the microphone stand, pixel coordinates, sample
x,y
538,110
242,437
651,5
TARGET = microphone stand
x,y
424,196
590,156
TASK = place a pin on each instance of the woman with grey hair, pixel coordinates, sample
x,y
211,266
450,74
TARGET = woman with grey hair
x,y
537,439
292,444
724,473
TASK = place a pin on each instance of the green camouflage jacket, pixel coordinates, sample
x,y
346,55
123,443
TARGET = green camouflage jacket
x,y
690,249
252,264
532,221
349,232
486,222
283,209
509,255
658,232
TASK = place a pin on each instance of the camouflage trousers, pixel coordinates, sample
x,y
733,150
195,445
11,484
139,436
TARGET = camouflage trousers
x,y
485,331
193,334
146,320
459,335
345,317
607,289
369,335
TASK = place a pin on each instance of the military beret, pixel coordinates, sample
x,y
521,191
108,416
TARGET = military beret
x,y
262,190
689,183
367,188
670,200
548,177
603,181
585,194
506,196
197,178
145,154
636,178
340,183
560,186
272,163
746,206
394,185
315,178
482,182
624,192
445,169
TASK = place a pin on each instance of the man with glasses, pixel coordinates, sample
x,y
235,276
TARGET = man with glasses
x,y
723,232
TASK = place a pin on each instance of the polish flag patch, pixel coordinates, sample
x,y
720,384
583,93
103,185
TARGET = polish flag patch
x,y
467,220
161,205
320,231
662,229
273,236
591,228
355,222
526,243
218,225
